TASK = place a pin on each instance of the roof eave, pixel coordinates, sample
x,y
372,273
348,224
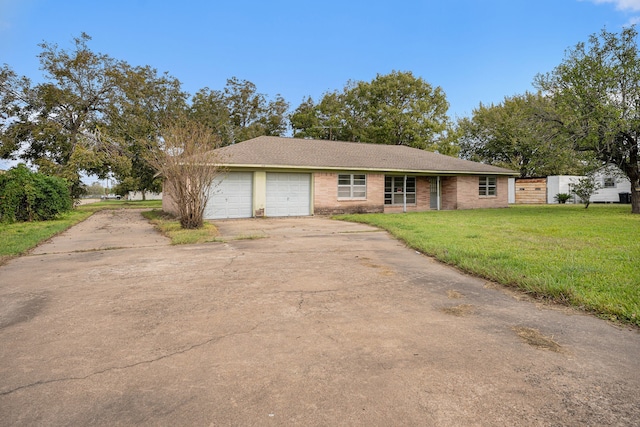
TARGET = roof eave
x,y
379,170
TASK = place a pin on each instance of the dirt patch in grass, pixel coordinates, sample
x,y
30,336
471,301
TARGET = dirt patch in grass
x,y
535,338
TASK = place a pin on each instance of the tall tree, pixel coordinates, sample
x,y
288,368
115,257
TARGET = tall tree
x,y
239,112
145,100
397,108
209,107
597,91
516,135
325,120
47,124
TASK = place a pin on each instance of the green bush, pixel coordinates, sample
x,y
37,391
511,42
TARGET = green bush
x,y
31,196
562,198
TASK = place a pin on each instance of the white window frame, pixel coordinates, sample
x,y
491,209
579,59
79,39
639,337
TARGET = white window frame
x,y
487,186
397,189
356,189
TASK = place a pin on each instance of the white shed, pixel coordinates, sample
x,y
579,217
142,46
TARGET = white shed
x,y
611,180
561,184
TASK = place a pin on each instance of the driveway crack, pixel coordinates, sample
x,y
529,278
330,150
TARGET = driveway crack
x,y
133,365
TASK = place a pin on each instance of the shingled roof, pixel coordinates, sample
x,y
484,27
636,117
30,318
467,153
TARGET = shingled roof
x,y
293,153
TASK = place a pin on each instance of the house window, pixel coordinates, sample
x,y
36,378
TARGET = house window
x,y
487,186
352,186
609,182
394,190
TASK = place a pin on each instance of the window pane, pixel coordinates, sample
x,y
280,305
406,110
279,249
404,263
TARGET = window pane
x,y
411,184
411,199
344,192
344,179
359,180
359,193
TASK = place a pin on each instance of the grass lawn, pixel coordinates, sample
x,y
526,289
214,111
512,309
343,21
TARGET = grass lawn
x,y
588,258
170,227
18,238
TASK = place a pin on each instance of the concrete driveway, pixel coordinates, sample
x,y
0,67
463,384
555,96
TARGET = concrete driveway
x,y
291,322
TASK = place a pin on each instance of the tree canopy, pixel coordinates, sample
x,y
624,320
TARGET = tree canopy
x,y
95,115
517,134
47,124
397,108
146,99
239,112
596,90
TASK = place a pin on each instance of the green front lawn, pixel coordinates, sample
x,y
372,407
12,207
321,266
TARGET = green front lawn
x,y
588,258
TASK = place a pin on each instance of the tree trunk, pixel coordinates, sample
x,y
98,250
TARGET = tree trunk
x,y
635,199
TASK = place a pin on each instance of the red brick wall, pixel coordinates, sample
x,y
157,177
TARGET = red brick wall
x,y
449,193
325,197
168,205
468,198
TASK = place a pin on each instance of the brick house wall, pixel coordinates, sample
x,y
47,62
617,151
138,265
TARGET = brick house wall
x,y
325,196
467,194
168,205
449,193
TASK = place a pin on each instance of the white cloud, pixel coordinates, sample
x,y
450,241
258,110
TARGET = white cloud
x,y
631,5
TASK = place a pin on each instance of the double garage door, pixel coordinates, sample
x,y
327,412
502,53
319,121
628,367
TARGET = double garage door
x,y
287,194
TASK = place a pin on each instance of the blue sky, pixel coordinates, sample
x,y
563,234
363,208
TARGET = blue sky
x,y
476,50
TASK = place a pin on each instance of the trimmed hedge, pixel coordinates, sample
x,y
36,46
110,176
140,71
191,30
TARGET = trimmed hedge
x,y
32,196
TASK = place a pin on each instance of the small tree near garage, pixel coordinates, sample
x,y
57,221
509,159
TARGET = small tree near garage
x,y
185,158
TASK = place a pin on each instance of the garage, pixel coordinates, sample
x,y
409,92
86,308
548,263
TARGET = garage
x,y
231,196
288,194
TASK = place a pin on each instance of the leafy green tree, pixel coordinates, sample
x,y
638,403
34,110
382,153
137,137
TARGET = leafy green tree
x,y
145,100
397,108
48,124
239,112
210,108
597,93
325,120
516,135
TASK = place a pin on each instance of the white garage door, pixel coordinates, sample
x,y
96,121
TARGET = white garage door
x,y
231,196
288,194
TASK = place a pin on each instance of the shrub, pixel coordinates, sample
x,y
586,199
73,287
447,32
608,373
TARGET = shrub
x,y
562,198
31,196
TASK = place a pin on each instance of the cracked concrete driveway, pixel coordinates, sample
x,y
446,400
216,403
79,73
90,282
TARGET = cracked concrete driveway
x,y
302,321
